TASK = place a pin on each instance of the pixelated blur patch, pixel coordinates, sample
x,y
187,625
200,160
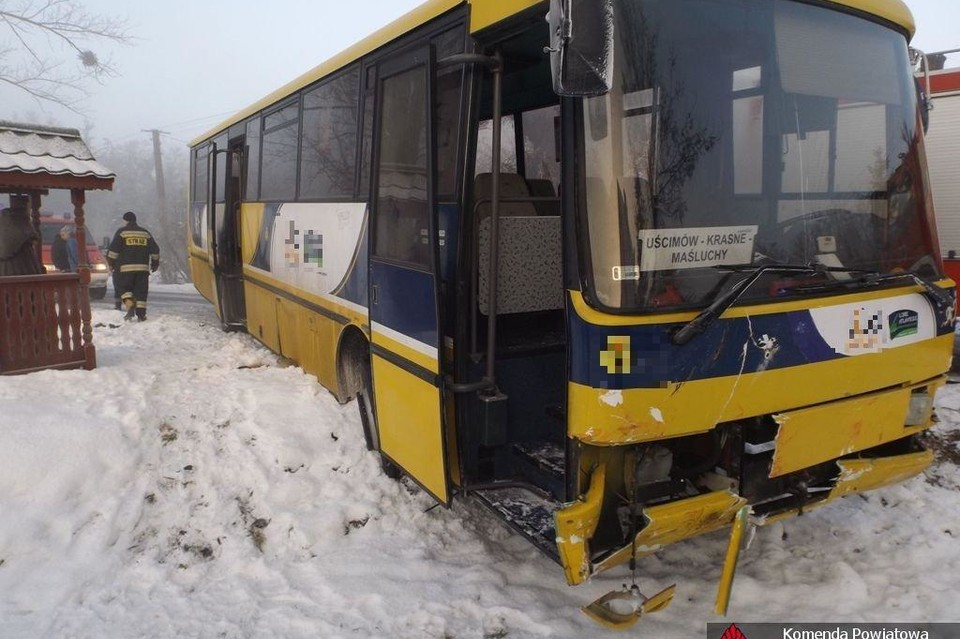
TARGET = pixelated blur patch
x,y
866,331
616,358
313,249
291,249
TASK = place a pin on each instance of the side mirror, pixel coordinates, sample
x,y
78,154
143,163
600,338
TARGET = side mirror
x,y
581,46
923,102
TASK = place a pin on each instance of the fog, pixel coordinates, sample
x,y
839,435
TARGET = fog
x,y
190,65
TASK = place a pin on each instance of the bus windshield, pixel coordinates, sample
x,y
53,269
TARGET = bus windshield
x,y
739,134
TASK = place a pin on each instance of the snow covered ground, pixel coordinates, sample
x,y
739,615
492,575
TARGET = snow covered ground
x,y
194,486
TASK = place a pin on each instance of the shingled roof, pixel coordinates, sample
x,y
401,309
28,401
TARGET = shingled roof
x,y
43,157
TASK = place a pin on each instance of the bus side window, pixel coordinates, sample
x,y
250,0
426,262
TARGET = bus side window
x,y
278,179
328,152
252,181
366,141
403,216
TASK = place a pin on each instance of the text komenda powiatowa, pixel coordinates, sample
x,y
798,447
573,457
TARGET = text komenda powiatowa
x,y
855,633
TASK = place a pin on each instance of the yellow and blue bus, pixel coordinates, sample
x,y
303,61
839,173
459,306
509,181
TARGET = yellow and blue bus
x,y
622,271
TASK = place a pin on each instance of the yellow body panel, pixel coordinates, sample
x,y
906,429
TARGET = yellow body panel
x,y
687,518
420,359
817,434
894,11
646,414
678,520
309,338
866,474
251,218
576,523
261,314
858,475
488,12
201,273
410,433
730,562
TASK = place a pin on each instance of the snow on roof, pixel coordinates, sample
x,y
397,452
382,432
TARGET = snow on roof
x,y
33,149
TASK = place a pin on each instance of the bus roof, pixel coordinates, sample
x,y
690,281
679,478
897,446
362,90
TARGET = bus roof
x,y
484,14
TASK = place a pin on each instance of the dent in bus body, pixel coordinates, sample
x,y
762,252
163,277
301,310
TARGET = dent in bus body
x,y
793,459
303,291
751,377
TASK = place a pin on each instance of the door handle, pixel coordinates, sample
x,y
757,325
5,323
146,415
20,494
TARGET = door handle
x,y
375,294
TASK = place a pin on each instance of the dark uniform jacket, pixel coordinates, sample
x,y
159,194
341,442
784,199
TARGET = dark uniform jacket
x,y
17,241
60,254
133,249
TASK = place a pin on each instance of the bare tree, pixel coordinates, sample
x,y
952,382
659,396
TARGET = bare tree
x,y
37,40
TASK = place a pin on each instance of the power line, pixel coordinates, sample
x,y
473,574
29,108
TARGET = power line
x,y
194,121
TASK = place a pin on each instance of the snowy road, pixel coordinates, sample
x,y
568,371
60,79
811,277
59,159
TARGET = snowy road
x,y
193,486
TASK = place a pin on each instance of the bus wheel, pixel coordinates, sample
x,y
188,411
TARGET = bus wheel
x,y
368,417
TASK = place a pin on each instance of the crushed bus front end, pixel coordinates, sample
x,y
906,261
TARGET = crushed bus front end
x,y
763,319
783,429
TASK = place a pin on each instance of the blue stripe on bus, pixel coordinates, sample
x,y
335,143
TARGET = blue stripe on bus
x,y
405,301
355,287
727,347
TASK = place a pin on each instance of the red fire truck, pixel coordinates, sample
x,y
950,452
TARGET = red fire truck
x,y
943,144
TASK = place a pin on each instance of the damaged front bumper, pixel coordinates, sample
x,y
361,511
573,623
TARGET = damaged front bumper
x,y
868,441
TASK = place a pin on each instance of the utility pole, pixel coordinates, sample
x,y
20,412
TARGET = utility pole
x,y
158,171
166,274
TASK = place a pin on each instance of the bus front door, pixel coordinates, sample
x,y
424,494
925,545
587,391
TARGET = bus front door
x,y
404,309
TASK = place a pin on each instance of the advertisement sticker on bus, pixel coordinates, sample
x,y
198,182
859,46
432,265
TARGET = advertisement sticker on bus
x,y
858,329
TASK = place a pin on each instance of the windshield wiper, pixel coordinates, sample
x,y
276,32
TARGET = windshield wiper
x,y
726,299
941,298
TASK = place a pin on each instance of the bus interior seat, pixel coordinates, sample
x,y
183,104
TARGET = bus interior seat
x,y
511,185
544,188
530,269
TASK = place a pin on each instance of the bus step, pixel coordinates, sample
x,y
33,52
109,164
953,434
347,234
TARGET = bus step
x,y
527,513
542,464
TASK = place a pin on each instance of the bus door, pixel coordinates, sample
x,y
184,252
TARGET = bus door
x,y
404,267
227,258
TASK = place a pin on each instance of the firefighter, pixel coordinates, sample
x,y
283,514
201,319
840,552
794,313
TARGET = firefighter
x,y
133,255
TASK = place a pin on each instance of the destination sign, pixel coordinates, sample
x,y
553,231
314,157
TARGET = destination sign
x,y
702,247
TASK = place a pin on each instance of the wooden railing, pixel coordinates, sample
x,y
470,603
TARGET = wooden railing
x,y
45,323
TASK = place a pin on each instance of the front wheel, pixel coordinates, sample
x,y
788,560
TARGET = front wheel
x,y
368,418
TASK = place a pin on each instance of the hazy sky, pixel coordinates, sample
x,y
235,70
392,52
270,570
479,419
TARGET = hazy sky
x,y
195,62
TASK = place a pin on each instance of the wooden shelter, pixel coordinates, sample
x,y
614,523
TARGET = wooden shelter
x,y
45,319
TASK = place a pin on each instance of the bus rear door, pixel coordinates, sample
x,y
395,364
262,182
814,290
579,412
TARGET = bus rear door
x,y
226,252
404,309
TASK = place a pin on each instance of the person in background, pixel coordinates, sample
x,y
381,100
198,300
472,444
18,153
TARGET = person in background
x,y
64,251
73,252
59,252
18,240
133,255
